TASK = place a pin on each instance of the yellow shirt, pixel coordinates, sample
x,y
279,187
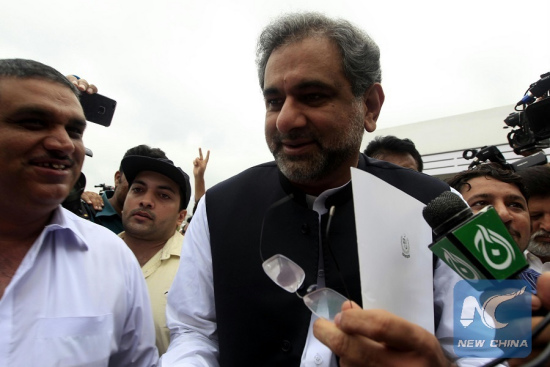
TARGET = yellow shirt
x,y
159,273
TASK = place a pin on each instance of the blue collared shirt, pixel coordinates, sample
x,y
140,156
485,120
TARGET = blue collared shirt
x,y
108,216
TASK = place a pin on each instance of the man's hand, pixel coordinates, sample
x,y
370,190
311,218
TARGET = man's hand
x,y
82,84
377,337
199,166
542,340
200,163
93,199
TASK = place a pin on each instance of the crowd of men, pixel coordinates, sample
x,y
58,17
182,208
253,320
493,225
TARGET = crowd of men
x,y
130,288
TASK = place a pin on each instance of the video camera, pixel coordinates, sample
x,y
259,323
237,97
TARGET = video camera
x,y
531,124
492,154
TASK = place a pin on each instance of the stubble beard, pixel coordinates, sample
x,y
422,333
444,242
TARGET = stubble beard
x,y
332,153
539,249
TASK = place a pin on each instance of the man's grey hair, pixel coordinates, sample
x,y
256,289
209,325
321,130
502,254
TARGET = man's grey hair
x,y
360,54
27,69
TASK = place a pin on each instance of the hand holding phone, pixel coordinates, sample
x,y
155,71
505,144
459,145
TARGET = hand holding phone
x,y
98,108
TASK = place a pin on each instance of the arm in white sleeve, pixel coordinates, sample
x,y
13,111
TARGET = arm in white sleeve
x,y
137,338
191,313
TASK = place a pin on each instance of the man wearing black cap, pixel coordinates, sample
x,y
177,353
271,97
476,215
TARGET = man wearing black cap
x,y
154,208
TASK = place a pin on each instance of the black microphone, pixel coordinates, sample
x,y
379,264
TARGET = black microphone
x,y
475,246
537,89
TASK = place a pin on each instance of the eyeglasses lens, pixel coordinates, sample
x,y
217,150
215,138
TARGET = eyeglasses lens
x,y
325,303
284,272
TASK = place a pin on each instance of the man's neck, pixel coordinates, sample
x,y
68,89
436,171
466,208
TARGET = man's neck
x,y
17,236
21,229
114,203
144,250
318,186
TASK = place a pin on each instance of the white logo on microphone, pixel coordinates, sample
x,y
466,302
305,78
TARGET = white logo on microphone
x,y
465,270
484,237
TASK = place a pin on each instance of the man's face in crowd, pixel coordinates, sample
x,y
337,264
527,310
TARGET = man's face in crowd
x,y
121,188
539,208
507,200
401,159
151,210
41,148
314,124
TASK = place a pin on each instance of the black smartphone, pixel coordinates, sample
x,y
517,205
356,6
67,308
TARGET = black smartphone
x,y
98,108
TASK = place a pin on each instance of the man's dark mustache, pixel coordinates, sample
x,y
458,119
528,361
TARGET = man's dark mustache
x,y
293,135
53,155
142,210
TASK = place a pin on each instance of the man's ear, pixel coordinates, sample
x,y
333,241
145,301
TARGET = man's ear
x,y
373,99
118,175
181,217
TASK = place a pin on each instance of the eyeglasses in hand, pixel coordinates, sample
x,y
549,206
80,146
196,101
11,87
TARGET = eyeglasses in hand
x,y
323,302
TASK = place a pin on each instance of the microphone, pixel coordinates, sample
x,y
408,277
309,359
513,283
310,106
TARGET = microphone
x,y
537,89
475,246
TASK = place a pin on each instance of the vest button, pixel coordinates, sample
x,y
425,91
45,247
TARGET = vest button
x,y
305,228
285,346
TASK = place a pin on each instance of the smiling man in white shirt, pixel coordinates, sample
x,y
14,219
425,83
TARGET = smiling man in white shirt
x,y
71,292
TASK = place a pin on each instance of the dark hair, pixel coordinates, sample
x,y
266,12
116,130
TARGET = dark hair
x,y
144,151
537,180
360,54
27,69
382,145
493,170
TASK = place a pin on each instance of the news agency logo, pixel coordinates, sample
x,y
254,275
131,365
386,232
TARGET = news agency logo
x,y
496,250
493,320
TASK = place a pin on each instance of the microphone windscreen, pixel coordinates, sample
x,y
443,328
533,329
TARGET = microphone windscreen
x,y
443,208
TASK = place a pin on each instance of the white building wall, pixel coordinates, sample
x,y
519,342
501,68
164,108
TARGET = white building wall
x,y
442,141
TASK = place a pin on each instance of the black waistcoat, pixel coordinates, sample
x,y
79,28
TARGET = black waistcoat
x,y
259,323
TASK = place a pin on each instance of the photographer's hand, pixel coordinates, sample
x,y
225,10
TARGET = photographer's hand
x,y
542,340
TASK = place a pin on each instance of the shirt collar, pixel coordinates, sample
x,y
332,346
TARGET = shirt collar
x,y
536,263
172,247
65,221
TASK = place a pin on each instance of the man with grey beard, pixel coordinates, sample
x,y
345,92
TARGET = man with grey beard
x,y
320,79
537,181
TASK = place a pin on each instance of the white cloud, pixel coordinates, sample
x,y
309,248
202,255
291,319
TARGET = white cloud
x,y
183,72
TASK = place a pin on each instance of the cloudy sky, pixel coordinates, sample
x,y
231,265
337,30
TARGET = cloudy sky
x,y
184,77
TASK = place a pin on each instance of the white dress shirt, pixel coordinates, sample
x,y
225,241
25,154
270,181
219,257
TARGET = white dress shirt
x,y
535,263
191,314
78,298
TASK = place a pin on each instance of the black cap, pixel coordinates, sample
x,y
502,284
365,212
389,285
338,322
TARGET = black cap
x,y
132,165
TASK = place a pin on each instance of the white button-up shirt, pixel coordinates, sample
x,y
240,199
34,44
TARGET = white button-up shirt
x,y
77,299
191,314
